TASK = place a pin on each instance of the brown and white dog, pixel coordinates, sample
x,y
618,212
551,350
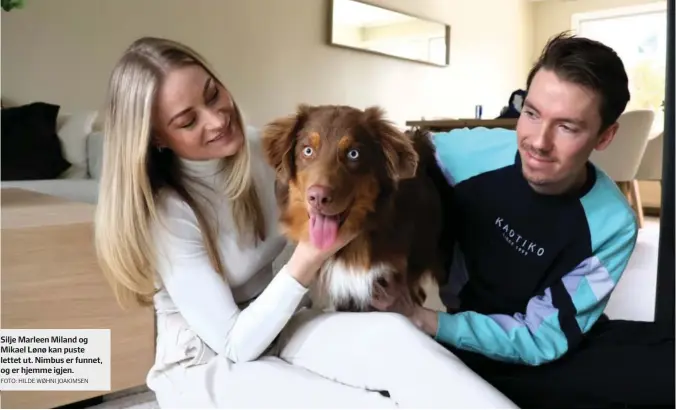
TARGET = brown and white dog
x,y
340,169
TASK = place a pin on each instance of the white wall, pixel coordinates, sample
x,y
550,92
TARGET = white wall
x,y
272,53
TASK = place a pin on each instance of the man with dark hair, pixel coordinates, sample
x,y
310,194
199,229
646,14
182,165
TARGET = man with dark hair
x,y
543,237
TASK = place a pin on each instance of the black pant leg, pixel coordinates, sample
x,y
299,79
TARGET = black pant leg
x,y
620,364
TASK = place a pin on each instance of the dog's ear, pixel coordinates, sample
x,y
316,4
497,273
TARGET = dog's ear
x,y
279,141
400,156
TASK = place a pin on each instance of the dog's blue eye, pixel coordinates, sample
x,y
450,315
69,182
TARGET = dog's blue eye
x,y
353,154
307,151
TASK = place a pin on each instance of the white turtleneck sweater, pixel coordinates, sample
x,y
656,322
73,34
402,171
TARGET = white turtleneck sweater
x,y
238,317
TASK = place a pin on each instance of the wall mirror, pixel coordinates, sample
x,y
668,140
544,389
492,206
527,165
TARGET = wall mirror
x,y
362,26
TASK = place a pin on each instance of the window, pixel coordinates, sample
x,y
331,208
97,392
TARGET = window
x,y
639,35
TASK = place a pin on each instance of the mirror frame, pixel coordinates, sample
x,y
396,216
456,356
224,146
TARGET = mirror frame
x,y
447,35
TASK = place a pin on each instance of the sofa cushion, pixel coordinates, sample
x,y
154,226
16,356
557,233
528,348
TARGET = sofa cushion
x,y
94,154
31,148
73,131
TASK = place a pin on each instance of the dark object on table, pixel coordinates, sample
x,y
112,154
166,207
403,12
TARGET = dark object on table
x,y
513,109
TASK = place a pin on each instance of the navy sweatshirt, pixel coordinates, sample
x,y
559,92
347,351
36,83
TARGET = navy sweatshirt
x,y
532,272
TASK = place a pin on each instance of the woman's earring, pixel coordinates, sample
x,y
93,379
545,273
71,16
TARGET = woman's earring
x,y
157,143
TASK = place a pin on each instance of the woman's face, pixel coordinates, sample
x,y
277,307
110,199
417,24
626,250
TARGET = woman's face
x,y
195,116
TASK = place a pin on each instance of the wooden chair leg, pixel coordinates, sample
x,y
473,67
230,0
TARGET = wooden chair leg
x,y
636,202
625,188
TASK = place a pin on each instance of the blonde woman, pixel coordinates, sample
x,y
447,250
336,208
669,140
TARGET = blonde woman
x,y
186,221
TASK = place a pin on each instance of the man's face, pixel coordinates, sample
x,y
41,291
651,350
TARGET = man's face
x,y
557,131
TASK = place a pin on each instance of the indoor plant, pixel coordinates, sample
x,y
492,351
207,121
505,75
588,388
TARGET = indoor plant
x,y
8,5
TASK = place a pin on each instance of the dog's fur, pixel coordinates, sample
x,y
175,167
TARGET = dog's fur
x,y
391,195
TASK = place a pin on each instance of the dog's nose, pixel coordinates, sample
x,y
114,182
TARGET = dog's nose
x,y
319,196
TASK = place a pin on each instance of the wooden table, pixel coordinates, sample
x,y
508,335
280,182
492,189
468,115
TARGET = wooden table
x,y
447,125
51,280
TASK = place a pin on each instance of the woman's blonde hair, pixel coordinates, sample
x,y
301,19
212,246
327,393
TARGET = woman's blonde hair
x,y
134,171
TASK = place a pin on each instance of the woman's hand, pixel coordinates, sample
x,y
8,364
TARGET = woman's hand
x,y
306,260
394,297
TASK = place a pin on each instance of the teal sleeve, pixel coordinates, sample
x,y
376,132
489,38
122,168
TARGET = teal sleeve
x,y
464,153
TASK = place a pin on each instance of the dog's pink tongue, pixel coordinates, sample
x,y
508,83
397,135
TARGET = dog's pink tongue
x,y
323,230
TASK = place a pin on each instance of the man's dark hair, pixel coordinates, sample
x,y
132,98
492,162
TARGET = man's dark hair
x,y
591,64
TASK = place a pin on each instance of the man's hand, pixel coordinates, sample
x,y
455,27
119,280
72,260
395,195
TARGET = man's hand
x,y
390,296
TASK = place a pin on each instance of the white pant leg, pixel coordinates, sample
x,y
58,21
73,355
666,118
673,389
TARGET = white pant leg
x,y
384,351
268,382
